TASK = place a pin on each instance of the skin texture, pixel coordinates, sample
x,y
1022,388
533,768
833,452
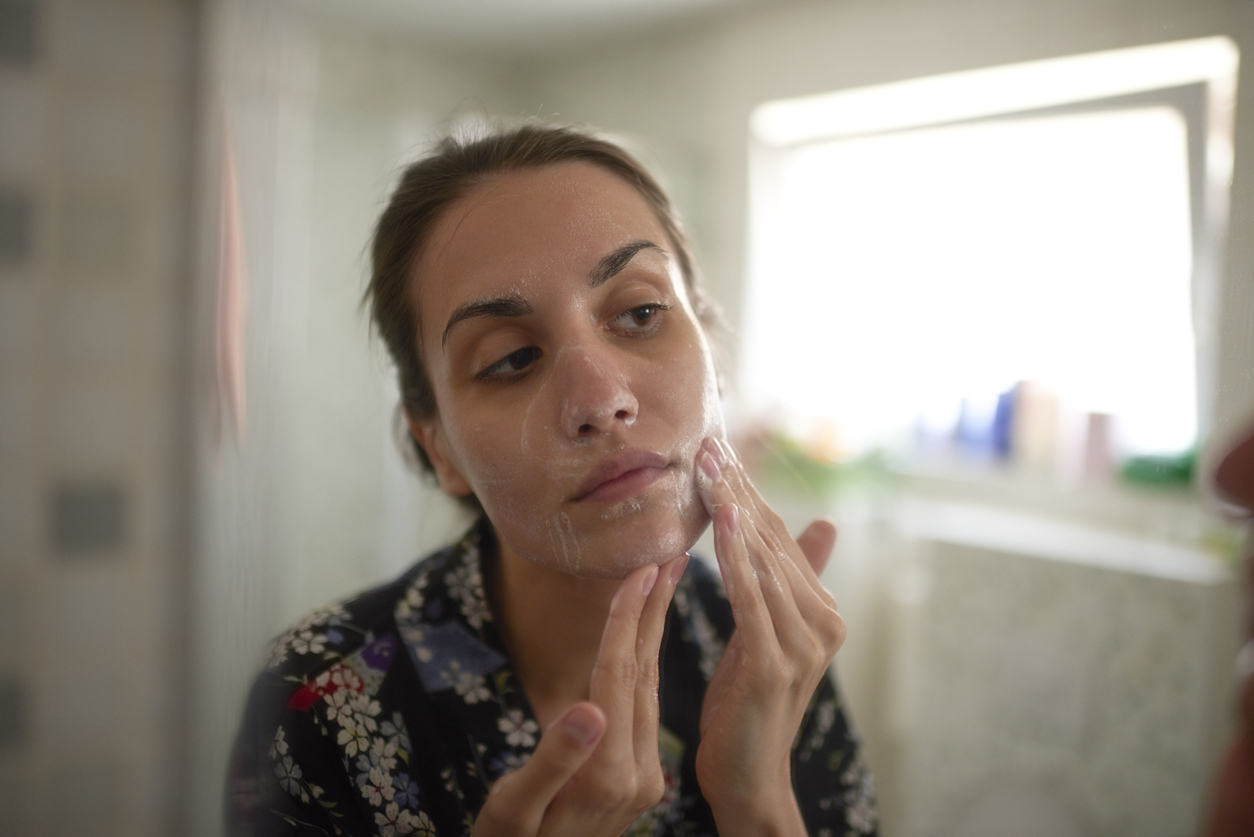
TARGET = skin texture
x,y
577,400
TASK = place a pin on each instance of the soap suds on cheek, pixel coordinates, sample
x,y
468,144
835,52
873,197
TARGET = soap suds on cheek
x,y
565,542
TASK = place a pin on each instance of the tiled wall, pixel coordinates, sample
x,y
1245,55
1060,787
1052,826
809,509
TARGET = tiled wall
x,y
95,107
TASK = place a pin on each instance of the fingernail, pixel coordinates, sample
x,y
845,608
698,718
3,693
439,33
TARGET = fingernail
x,y
677,571
581,727
710,467
733,519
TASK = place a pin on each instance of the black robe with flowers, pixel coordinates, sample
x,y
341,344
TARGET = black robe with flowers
x,y
394,712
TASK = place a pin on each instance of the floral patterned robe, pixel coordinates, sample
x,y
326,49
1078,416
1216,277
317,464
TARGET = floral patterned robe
x,y
394,712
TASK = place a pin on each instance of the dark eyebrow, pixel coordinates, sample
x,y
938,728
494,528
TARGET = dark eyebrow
x,y
504,306
612,265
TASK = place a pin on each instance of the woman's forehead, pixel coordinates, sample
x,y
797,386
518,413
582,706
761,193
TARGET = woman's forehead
x,y
528,228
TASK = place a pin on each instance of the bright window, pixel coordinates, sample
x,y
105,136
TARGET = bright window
x,y
897,274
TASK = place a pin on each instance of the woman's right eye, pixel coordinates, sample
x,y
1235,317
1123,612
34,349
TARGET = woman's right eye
x,y
511,363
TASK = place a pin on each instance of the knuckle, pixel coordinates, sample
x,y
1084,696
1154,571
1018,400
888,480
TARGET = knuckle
x,y
653,787
831,631
619,673
625,675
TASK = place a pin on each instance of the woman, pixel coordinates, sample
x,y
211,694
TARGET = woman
x,y
538,298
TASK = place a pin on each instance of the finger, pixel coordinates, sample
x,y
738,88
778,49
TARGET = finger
x,y
723,480
723,484
784,552
614,675
816,543
648,648
744,592
517,802
799,606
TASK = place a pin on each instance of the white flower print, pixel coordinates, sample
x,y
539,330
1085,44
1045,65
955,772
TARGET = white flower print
x,y
466,585
824,717
338,709
302,639
396,732
343,695
413,601
376,786
354,734
383,752
415,637
859,797
471,687
392,820
289,777
279,747
307,642
417,823
519,731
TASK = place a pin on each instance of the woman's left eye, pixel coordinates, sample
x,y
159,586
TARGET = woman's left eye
x,y
640,318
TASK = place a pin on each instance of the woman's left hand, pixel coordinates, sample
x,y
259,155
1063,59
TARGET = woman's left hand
x,y
787,632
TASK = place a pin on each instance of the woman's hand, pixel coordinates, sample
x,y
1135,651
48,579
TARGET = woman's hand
x,y
787,631
596,767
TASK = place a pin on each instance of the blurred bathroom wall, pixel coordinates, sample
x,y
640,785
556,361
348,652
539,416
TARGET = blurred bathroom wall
x,y
96,229
196,429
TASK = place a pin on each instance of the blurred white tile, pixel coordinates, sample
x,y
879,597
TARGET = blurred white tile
x,y
19,322
95,326
19,518
14,771
20,129
17,416
119,38
80,797
19,33
96,423
13,616
82,686
96,235
90,519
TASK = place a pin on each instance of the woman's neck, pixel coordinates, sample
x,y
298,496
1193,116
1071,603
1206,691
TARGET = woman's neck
x,y
551,624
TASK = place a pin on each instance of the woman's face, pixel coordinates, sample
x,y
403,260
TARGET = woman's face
x,y
573,381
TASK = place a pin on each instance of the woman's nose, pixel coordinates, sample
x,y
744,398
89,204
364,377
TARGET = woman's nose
x,y
595,394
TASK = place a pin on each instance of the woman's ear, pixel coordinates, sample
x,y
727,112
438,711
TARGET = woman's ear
x,y
430,435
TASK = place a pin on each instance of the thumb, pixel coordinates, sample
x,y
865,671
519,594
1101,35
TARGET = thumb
x,y
517,801
816,543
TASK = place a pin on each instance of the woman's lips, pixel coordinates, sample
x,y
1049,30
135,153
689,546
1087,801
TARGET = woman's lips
x,y
621,477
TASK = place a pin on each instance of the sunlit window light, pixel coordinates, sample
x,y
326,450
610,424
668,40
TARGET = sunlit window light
x,y
900,281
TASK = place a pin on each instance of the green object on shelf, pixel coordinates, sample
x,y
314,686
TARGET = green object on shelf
x,y
788,465
1173,471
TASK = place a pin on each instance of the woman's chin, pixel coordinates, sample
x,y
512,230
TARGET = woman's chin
x,y
612,545
632,542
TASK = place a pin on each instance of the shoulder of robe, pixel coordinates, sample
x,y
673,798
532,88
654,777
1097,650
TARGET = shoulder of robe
x,y
335,631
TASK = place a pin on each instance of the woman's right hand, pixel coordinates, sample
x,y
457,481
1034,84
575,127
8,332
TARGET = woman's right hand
x,y
596,767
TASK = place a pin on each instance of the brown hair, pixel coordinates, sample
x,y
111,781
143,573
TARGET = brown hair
x,y
432,185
